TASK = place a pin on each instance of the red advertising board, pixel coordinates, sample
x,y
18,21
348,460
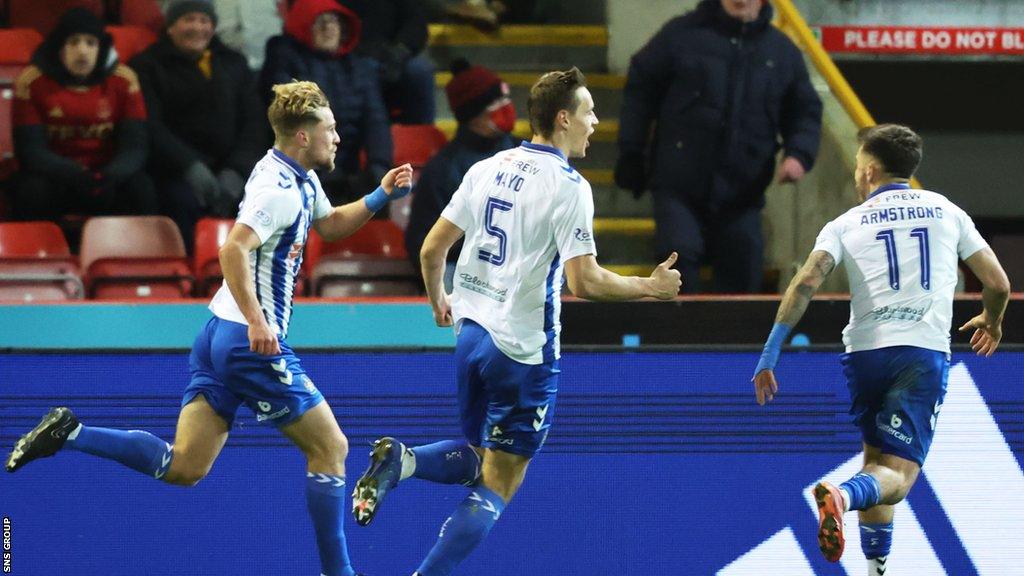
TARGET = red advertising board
x,y
922,40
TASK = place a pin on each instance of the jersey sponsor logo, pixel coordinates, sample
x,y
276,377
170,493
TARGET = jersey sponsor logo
x,y
959,496
56,112
474,283
262,217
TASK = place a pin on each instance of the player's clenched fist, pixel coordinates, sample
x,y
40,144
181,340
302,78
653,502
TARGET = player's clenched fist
x,y
665,279
398,181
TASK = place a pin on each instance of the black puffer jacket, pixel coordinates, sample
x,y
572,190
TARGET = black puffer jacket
x,y
725,95
219,120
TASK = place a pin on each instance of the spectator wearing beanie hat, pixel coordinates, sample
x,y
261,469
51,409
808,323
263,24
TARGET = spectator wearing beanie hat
x,y
480,101
207,122
80,127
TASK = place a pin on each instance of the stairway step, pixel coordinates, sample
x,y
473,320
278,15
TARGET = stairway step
x,y
518,35
523,47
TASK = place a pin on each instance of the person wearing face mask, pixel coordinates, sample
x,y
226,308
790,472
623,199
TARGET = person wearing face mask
x,y
481,104
317,45
80,127
207,123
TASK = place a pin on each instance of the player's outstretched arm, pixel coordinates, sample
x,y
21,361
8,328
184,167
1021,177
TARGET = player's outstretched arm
x,y
433,254
587,279
344,220
798,295
995,293
234,262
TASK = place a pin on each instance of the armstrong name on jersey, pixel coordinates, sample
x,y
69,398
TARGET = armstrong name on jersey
x,y
281,201
525,212
901,248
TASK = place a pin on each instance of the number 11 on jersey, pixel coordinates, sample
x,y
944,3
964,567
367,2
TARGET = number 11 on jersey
x,y
889,238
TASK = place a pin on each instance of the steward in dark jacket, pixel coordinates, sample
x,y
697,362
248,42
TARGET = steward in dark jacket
x,y
723,92
350,83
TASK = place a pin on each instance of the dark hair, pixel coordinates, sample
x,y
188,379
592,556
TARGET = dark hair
x,y
896,147
554,91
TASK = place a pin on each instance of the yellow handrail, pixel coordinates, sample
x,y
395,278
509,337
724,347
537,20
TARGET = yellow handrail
x,y
791,21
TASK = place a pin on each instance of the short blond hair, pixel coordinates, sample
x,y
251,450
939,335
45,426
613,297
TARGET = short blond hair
x,y
295,104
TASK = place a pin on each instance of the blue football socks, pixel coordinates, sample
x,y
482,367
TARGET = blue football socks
x,y
463,531
447,462
864,491
136,449
876,540
327,502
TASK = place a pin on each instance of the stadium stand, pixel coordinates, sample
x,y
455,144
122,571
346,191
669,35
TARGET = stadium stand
x,y
36,264
134,257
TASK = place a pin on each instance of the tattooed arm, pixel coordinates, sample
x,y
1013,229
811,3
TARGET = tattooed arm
x,y
806,282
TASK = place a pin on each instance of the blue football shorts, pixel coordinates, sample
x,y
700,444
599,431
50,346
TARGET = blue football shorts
x,y
227,374
896,395
504,404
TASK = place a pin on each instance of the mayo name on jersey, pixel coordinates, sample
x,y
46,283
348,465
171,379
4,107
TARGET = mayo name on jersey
x,y
525,212
281,201
900,247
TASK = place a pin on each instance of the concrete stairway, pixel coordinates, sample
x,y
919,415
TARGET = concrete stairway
x,y
519,54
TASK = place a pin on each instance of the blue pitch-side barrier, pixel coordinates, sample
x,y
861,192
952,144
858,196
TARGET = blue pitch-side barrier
x,y
658,464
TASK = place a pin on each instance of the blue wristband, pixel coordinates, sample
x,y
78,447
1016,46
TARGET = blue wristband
x,y
376,200
772,348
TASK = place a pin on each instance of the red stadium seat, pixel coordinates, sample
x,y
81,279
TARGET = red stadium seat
x,y
378,238
130,40
365,276
211,233
36,264
7,161
16,48
134,257
416,143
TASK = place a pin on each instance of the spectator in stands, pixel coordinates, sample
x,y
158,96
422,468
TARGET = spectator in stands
x,y
43,15
207,122
723,86
246,25
317,45
395,36
80,128
481,104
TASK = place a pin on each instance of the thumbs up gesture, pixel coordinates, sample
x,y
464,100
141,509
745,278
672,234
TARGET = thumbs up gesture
x,y
665,281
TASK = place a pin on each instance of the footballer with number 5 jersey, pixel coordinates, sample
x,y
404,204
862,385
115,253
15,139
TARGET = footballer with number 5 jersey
x,y
527,217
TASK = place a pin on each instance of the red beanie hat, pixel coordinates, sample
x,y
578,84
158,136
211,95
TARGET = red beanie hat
x,y
472,89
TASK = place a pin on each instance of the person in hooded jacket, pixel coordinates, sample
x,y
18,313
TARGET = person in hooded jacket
x,y
483,107
317,45
207,122
722,87
80,128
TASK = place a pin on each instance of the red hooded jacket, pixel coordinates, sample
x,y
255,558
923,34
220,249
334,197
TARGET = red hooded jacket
x,y
299,22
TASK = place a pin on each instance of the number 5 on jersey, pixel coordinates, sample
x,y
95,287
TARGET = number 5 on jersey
x,y
495,205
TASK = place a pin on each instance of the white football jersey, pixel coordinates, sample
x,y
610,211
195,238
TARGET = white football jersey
x,y
525,211
901,248
281,201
